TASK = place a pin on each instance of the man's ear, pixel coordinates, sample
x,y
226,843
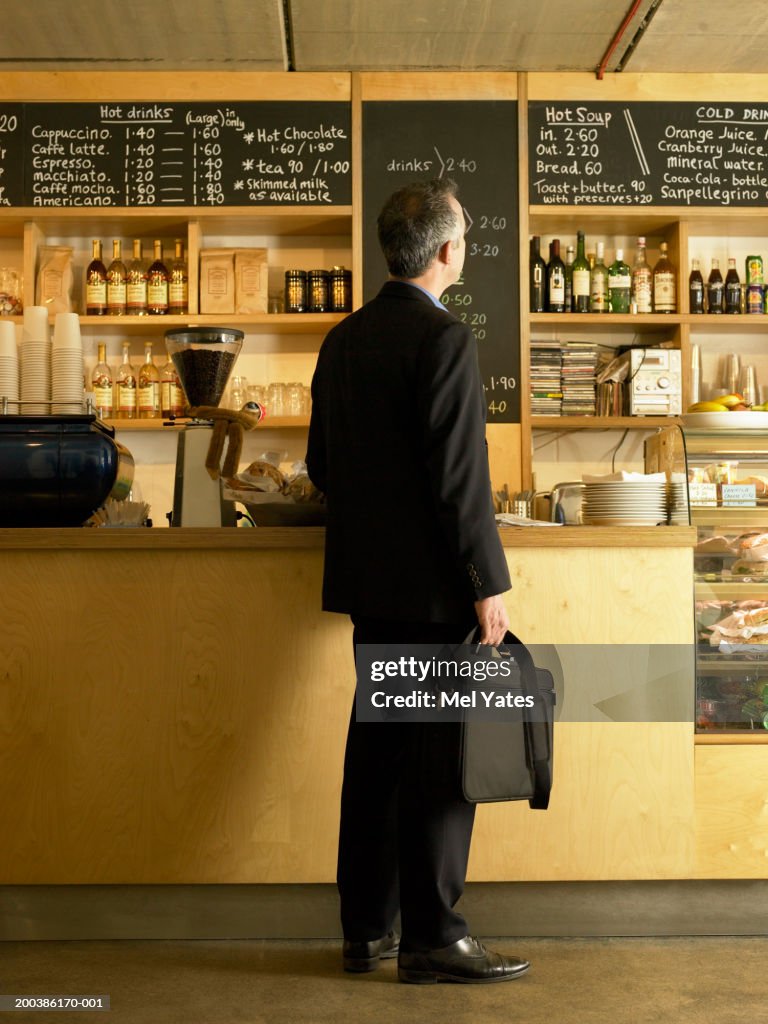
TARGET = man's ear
x,y
445,253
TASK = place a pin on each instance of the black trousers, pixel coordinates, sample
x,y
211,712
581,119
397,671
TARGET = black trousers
x,y
405,829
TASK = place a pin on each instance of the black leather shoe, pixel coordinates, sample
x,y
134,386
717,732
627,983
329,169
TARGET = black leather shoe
x,y
466,961
360,957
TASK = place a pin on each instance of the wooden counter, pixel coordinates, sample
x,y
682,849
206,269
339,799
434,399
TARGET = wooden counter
x,y
173,705
314,537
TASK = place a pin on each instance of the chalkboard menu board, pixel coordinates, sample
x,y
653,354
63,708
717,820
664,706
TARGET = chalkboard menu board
x,y
170,154
475,144
661,154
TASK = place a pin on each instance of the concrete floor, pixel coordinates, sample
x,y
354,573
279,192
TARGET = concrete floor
x,y
571,981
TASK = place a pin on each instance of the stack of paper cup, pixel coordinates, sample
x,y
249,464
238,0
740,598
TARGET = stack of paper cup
x,y
9,366
67,365
35,362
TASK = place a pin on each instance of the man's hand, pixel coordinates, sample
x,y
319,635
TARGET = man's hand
x,y
493,619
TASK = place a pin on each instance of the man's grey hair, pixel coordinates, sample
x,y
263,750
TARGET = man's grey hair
x,y
415,221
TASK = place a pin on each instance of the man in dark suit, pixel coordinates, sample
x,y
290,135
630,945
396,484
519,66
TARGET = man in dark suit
x,y
412,554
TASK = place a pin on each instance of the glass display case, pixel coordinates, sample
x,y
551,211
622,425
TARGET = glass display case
x,y
727,471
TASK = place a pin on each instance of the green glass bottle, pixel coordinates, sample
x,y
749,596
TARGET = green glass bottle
x,y
581,277
619,284
598,300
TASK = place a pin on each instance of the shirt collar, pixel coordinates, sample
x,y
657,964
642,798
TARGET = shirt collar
x,y
435,300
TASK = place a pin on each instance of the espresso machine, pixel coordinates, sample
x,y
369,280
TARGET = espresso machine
x,y
204,358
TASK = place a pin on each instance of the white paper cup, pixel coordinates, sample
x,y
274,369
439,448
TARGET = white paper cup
x,y
66,331
35,326
8,340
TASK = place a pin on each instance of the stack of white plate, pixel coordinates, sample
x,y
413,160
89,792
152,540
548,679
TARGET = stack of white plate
x,y
67,365
9,366
625,503
35,362
677,499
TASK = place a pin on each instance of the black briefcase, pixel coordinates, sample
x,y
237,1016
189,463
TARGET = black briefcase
x,y
512,759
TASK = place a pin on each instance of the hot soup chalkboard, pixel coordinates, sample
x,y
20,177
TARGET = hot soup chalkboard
x,y
475,143
660,154
173,154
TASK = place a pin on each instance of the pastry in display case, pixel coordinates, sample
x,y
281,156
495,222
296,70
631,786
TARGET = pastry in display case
x,y
727,470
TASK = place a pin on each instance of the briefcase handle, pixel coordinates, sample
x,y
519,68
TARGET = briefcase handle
x,y
542,769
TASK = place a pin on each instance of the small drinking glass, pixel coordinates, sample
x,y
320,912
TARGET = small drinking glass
x,y
257,393
306,401
276,399
747,388
293,399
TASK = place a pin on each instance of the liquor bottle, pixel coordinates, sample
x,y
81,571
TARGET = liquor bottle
x,y
619,284
556,280
538,277
715,289
642,281
178,290
96,284
157,283
569,257
102,383
149,386
136,286
126,386
664,284
116,282
581,277
696,288
732,288
598,288
171,394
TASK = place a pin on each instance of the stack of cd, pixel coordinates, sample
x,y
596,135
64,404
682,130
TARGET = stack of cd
x,y
9,367
35,362
67,365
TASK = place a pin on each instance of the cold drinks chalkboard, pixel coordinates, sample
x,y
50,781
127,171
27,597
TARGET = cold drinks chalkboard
x,y
171,154
475,144
660,154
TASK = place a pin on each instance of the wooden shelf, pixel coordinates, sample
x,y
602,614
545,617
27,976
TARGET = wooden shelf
x,y
731,591
730,738
746,516
640,321
602,422
161,221
266,323
268,422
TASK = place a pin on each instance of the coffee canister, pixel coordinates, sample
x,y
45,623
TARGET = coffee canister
x,y
317,291
341,290
295,291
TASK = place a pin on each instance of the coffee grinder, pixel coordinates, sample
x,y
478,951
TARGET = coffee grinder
x,y
204,358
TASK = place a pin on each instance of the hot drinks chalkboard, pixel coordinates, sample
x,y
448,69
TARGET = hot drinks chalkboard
x,y
661,154
171,154
475,144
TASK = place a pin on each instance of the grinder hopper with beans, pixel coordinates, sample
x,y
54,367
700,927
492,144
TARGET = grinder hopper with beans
x,y
204,358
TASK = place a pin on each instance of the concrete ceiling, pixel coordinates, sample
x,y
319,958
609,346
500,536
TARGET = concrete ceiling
x,y
313,35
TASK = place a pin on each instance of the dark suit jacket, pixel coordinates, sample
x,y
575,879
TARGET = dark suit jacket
x,y
397,444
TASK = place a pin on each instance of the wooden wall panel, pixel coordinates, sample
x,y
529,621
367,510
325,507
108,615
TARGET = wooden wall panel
x,y
731,811
621,808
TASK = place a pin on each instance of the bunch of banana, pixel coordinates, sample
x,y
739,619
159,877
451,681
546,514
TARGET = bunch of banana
x,y
727,403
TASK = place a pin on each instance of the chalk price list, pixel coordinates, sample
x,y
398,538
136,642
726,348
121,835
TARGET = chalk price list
x,y
667,154
571,155
485,245
155,154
